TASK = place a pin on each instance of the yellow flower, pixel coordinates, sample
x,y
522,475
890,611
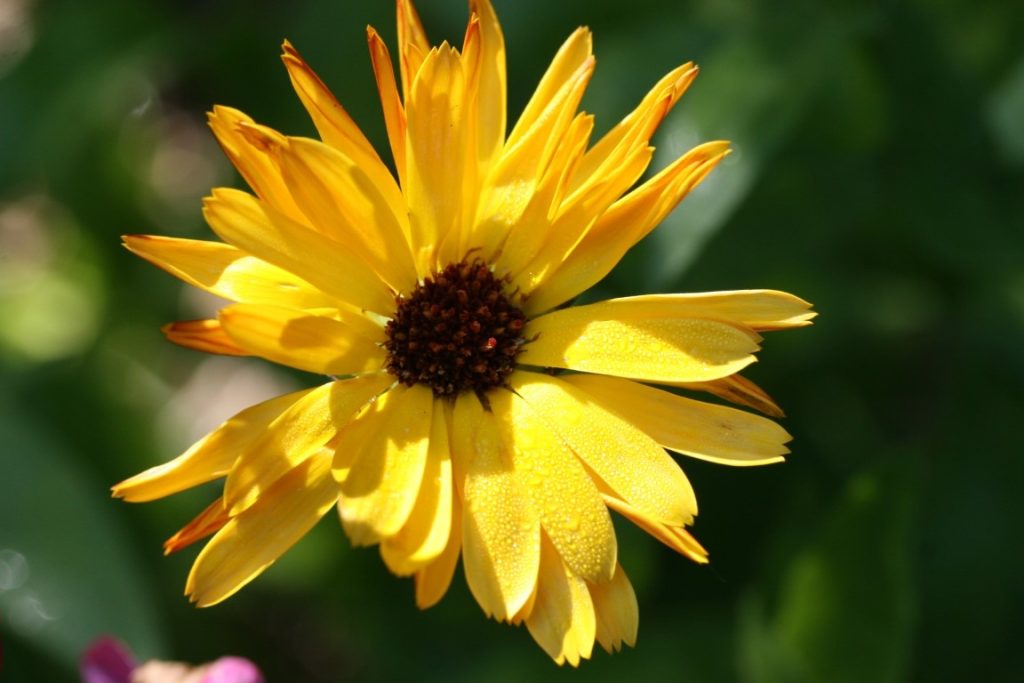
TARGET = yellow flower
x,y
433,301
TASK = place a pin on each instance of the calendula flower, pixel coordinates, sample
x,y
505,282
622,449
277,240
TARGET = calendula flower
x,y
468,412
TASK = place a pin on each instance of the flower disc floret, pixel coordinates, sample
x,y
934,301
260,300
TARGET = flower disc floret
x,y
457,331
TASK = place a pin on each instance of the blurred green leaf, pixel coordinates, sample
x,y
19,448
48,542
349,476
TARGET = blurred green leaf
x,y
66,575
752,91
846,604
1006,116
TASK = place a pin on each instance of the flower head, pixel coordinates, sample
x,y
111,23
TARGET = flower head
x,y
469,414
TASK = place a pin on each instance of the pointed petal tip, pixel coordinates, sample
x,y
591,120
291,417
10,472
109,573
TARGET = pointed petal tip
x,y
134,242
261,137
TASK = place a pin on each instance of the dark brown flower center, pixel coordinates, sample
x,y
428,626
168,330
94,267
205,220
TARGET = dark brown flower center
x,y
457,331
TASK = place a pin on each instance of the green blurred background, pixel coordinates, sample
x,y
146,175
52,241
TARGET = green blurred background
x,y
878,172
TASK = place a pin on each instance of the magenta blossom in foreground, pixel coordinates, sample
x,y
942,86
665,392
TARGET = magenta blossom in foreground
x,y
109,661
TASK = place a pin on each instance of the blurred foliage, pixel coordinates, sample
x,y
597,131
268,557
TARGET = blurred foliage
x,y
878,169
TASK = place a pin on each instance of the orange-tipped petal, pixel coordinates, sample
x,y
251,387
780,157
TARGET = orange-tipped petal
x,y
390,100
208,522
207,336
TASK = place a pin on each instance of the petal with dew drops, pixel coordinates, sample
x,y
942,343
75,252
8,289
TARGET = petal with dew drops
x,y
432,581
631,463
209,458
624,224
739,390
759,309
307,341
227,272
203,335
253,540
335,126
701,430
413,45
341,201
629,339
390,100
252,162
425,535
675,537
435,154
562,620
251,225
572,513
296,434
206,523
618,616
500,528
390,441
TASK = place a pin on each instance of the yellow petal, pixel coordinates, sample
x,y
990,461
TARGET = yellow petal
x,y
208,522
533,228
203,335
572,513
638,340
618,616
342,201
488,108
227,272
562,620
210,457
576,51
625,223
627,460
306,341
390,100
259,171
425,535
242,220
604,173
513,180
336,127
500,528
433,580
252,541
575,216
296,434
466,415
636,128
412,44
702,430
759,309
519,617
738,390
675,537
435,154
390,440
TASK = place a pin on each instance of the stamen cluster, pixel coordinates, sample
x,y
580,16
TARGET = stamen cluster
x,y
457,331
